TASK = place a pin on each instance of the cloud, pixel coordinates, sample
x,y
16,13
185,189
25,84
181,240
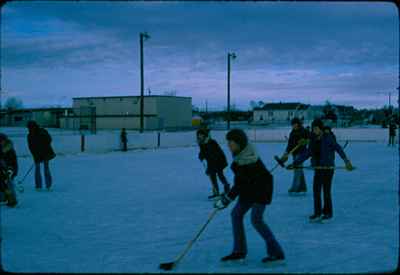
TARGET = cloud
x,y
81,48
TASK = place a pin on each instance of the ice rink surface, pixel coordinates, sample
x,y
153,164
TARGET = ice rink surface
x,y
128,212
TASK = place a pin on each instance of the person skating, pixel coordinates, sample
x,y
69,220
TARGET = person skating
x,y
8,171
297,135
321,149
124,140
253,183
216,161
392,132
39,143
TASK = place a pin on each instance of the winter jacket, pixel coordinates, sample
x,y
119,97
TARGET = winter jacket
x,y
253,183
8,159
39,143
213,154
323,156
294,138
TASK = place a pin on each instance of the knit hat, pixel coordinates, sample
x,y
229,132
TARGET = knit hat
x,y
32,124
238,136
318,123
295,120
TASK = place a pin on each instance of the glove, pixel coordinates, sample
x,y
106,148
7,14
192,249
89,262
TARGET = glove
x,y
349,166
10,173
285,157
222,203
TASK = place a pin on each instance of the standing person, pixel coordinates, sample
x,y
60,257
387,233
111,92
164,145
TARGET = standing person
x,y
253,183
297,135
39,143
392,132
322,149
8,171
216,161
124,140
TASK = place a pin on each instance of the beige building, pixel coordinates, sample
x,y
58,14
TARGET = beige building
x,y
116,112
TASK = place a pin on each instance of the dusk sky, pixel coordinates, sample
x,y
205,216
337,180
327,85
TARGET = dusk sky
x,y
305,52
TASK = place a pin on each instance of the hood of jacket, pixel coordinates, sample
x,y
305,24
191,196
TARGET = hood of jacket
x,y
247,156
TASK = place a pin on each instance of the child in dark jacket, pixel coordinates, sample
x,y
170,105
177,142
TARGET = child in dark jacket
x,y
8,170
253,184
321,149
216,161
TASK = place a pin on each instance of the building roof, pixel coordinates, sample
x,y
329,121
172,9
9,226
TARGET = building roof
x,y
283,106
124,96
27,110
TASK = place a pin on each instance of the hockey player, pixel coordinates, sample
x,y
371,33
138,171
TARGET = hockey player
x,y
253,183
322,149
216,161
392,132
39,143
8,171
296,136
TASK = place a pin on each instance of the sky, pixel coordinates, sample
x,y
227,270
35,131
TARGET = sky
x,y
347,53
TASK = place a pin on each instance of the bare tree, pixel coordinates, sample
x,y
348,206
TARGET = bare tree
x,y
13,103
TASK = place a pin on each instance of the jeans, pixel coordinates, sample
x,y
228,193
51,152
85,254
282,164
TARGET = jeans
x,y
299,181
47,175
239,236
323,181
213,176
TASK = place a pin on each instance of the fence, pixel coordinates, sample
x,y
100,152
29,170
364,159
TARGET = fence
x,y
70,142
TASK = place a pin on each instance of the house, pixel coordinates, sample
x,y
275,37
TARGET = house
x,y
116,112
280,113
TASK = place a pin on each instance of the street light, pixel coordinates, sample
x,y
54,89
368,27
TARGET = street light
x,y
233,56
142,37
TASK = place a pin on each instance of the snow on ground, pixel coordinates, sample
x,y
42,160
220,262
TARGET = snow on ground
x,y
128,212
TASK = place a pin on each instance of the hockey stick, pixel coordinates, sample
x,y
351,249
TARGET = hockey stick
x,y
171,265
282,163
19,184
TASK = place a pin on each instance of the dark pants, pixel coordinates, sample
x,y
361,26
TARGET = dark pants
x,y
323,181
391,140
47,175
124,146
213,176
239,236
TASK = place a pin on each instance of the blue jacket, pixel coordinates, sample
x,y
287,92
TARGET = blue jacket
x,y
327,151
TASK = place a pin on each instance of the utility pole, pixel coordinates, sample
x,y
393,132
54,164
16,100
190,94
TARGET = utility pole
x,y
142,37
228,109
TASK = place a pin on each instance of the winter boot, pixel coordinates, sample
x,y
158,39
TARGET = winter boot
x,y
234,257
270,259
315,218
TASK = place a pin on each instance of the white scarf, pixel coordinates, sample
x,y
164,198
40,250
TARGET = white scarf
x,y
247,156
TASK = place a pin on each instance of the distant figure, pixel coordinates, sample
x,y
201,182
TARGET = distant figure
x,y
8,171
39,143
124,140
392,133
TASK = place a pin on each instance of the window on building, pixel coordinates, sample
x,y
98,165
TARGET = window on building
x,y
18,118
261,118
270,113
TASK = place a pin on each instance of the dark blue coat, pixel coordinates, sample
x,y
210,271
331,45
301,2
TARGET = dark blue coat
x,y
327,151
253,183
294,138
